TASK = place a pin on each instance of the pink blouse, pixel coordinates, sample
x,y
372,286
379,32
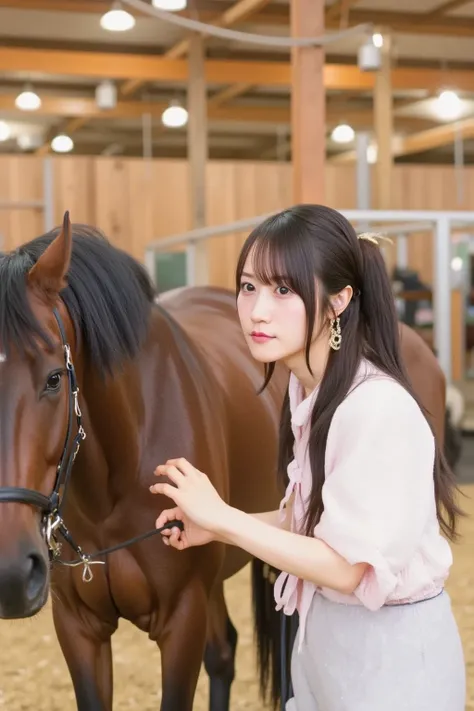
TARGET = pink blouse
x,y
379,505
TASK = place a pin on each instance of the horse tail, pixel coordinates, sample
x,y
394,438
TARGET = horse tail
x,y
269,637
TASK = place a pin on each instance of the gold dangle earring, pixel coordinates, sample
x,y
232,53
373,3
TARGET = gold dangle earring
x,y
335,338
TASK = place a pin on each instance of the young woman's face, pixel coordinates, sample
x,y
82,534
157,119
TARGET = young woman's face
x,y
273,318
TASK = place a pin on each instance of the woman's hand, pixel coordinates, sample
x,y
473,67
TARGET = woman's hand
x,y
192,535
193,494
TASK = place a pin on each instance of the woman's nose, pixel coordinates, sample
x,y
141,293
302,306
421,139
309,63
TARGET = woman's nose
x,y
261,309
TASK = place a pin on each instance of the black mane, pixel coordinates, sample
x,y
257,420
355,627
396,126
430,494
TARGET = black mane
x,y
109,297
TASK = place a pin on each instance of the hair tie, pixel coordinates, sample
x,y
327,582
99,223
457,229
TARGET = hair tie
x,y
374,237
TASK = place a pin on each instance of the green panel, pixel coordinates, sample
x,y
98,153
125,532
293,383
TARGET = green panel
x,y
170,270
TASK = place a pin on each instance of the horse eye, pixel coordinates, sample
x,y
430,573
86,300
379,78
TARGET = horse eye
x,y
53,383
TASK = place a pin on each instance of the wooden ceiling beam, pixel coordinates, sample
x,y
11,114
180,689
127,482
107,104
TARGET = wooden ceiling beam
x,y
92,6
446,7
98,7
101,65
421,141
79,110
339,10
83,107
434,137
228,94
411,23
435,22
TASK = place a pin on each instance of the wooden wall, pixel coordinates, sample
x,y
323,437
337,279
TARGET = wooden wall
x,y
134,201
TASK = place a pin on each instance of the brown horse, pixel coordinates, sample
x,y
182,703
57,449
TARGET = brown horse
x,y
86,351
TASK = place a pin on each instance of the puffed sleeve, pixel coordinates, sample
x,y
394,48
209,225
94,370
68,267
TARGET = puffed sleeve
x,y
379,485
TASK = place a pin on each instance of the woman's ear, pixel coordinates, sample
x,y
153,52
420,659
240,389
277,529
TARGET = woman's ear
x,y
340,301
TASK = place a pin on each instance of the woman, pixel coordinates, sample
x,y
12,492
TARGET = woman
x,y
358,532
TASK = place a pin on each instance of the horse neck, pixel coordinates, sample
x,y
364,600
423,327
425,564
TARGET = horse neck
x,y
125,412
108,456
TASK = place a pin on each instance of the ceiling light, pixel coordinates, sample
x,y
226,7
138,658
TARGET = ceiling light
x,y
5,132
170,5
117,19
377,39
175,116
343,134
25,141
62,144
106,95
28,100
448,105
372,154
368,56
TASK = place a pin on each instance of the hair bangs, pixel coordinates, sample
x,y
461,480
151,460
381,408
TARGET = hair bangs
x,y
279,255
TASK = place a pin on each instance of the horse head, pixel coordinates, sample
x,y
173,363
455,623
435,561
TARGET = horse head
x,y
33,416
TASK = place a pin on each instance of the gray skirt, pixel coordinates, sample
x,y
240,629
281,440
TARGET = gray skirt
x,y
400,658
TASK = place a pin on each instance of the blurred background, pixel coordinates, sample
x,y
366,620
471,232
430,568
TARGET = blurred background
x,y
148,128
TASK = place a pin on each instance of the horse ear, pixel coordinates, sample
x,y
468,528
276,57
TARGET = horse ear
x,y
48,275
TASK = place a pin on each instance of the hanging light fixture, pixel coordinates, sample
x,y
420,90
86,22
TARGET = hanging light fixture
x,y
5,131
343,133
106,95
175,116
448,106
117,19
28,100
377,40
62,143
372,154
170,5
25,141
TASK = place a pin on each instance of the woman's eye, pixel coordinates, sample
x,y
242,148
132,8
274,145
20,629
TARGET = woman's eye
x,y
283,290
53,383
245,286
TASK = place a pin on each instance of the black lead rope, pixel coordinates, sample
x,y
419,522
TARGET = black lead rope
x,y
88,559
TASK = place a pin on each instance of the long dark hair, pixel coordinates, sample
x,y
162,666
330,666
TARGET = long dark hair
x,y
315,250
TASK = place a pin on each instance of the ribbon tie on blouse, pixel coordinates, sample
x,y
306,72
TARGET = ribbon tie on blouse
x,y
286,585
290,592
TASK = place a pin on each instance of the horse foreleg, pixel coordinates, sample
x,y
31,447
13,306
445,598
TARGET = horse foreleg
x,y
219,657
182,643
86,645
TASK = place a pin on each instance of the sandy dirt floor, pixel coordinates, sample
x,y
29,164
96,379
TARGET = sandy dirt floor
x,y
33,674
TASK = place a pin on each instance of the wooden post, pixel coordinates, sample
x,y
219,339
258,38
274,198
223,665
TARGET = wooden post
x,y
383,121
308,110
197,254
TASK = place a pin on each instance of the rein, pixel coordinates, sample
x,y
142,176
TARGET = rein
x,y
51,506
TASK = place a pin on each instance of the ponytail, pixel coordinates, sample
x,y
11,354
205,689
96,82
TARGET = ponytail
x,y
380,325
379,318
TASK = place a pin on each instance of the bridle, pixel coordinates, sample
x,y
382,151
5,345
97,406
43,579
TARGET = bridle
x,y
51,506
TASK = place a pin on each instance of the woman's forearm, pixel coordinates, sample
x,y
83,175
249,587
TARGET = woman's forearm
x,y
307,558
270,517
